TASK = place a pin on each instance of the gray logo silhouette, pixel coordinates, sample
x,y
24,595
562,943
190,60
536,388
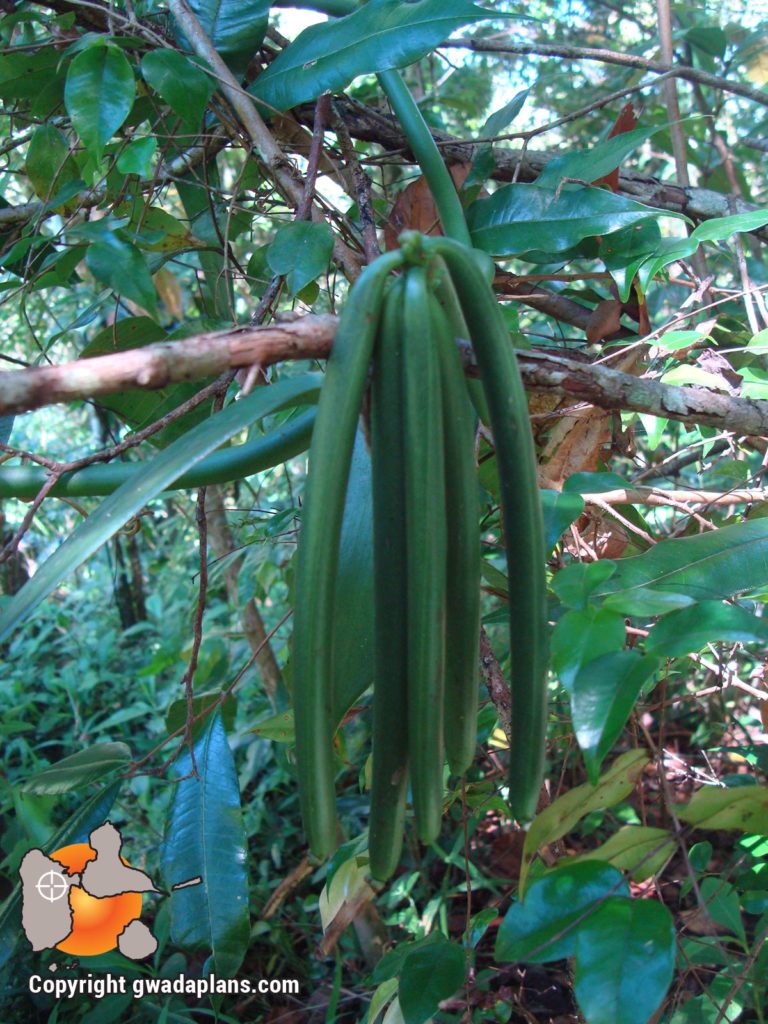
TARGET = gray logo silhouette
x,y
52,886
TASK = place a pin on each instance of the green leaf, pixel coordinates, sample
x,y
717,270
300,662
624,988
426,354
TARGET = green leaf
x,y
183,85
483,163
639,850
77,828
645,601
300,251
715,230
235,27
744,808
545,925
581,636
205,837
99,94
577,582
383,995
79,769
710,566
567,811
137,156
691,629
50,164
710,39
625,958
160,473
176,715
602,698
122,267
594,163
380,35
429,975
560,510
520,218
279,727
723,906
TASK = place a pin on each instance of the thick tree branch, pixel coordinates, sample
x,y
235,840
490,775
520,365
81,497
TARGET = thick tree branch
x,y
311,337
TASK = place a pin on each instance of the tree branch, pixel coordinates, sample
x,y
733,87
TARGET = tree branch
x,y
279,166
370,125
311,337
504,44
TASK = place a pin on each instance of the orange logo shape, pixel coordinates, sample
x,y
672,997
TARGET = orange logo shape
x,y
96,923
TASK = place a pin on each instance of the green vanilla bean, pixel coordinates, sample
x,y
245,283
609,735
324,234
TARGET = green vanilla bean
x,y
279,445
318,553
427,156
523,521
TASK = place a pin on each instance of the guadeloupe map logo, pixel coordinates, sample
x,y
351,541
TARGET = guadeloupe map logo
x,y
85,899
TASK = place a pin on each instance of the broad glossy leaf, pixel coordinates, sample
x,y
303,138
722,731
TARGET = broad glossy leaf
x,y
594,163
645,601
625,958
640,850
575,584
519,218
563,900
301,251
137,157
89,815
429,975
49,164
235,27
581,636
691,629
160,473
710,566
567,811
204,837
183,85
121,266
380,35
744,808
79,769
602,697
99,94
559,510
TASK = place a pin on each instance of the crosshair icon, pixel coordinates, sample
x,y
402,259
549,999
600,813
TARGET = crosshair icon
x,y
52,886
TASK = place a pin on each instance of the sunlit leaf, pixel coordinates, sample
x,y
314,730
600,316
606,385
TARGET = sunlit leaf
x,y
380,35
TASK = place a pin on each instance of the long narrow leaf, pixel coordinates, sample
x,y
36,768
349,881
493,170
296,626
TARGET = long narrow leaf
x,y
205,838
160,473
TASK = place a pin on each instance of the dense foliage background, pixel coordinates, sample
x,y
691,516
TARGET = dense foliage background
x,y
139,203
